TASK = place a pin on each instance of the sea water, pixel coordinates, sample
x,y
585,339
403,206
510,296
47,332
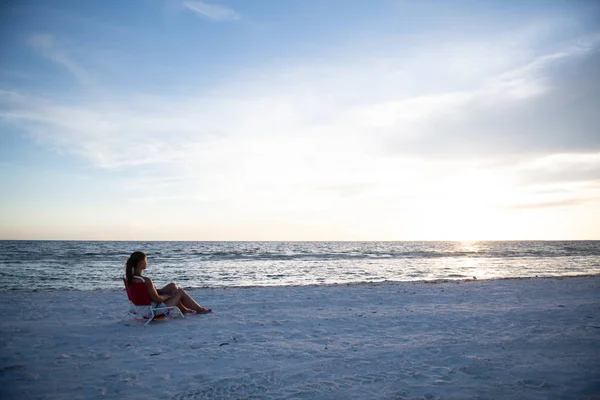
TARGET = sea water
x,y
91,265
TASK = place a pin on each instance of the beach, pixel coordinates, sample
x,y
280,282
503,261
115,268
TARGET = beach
x,y
533,338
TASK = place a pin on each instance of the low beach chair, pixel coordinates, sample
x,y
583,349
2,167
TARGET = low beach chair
x,y
141,304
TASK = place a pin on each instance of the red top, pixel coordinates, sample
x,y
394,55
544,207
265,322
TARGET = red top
x,y
138,292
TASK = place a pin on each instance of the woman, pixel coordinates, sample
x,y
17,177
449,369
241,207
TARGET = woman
x,y
170,295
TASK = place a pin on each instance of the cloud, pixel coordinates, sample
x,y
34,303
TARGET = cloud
x,y
102,134
328,123
550,204
550,181
47,45
561,168
545,106
211,11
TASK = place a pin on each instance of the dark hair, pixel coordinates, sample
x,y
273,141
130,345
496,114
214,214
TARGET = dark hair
x,y
132,262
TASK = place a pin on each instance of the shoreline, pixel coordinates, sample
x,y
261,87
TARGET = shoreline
x,y
311,285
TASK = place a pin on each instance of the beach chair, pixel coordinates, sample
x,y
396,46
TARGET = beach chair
x,y
141,305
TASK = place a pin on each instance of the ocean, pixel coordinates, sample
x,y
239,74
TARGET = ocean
x,y
93,265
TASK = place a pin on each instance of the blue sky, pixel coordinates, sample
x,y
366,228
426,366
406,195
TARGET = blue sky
x,y
300,120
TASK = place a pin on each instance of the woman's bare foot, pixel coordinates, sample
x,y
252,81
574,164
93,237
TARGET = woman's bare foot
x,y
204,310
189,311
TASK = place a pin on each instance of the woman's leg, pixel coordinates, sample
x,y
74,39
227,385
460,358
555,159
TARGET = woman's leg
x,y
186,303
189,302
175,301
168,289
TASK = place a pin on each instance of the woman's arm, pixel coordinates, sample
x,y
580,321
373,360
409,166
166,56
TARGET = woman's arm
x,y
154,296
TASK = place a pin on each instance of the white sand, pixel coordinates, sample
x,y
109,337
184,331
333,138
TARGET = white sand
x,y
503,339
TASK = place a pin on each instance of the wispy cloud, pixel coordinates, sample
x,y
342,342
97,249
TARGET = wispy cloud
x,y
551,204
557,169
211,11
94,132
47,45
551,181
318,108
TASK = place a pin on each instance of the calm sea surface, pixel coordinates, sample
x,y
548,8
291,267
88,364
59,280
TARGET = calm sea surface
x,y
80,265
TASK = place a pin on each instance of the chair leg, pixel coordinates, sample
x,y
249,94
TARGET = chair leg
x,y
127,314
180,313
170,308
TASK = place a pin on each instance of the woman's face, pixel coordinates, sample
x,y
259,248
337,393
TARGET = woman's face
x,y
143,264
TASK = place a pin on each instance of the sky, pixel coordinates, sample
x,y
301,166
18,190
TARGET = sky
x,y
300,120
